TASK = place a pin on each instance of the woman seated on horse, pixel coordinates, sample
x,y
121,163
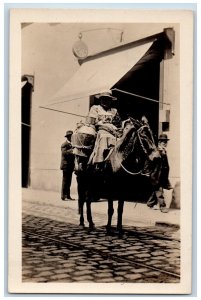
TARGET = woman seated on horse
x,y
107,122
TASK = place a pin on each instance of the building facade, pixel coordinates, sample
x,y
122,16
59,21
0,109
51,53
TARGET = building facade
x,y
143,73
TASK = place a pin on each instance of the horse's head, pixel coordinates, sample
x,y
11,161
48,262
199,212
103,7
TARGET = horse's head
x,y
144,135
135,145
128,141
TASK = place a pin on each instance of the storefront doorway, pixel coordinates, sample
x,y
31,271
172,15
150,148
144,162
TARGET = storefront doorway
x,y
138,90
26,95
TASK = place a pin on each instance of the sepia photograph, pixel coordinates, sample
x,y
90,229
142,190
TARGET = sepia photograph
x,y
100,151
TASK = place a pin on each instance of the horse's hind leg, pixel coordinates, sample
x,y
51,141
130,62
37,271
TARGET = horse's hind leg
x,y
81,212
120,215
80,199
110,214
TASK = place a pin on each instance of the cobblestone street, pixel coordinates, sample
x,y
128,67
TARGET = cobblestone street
x,y
55,249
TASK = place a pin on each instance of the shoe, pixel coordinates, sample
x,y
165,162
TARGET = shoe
x,y
155,207
69,198
152,204
164,209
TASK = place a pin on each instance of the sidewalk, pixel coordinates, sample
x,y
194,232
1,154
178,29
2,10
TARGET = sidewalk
x,y
135,214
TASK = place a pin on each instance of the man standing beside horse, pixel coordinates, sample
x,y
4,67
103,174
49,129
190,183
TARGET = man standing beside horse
x,y
157,197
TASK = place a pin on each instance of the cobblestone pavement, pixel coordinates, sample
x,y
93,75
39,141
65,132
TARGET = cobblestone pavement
x,y
69,213
55,249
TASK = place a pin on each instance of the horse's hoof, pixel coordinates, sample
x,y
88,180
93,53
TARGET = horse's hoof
x,y
91,226
108,230
81,226
120,231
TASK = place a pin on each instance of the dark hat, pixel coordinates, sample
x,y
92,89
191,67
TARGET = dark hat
x,y
106,95
163,137
68,132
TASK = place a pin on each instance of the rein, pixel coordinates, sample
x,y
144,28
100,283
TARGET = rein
x,y
126,170
129,172
145,151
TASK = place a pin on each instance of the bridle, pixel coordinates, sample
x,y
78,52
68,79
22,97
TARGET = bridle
x,y
145,151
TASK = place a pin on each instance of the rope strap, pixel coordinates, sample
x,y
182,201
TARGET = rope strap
x,y
129,172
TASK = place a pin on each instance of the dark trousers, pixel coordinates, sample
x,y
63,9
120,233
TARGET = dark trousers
x,y
157,197
66,183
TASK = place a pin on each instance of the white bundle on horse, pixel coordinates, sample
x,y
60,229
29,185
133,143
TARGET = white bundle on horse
x,y
83,140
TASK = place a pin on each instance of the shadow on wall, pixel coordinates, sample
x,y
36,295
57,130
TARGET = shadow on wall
x,y
175,203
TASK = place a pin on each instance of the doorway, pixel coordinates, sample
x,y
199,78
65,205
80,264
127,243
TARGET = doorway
x,y
26,95
138,90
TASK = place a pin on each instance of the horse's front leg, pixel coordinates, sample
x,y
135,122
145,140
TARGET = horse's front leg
x,y
81,211
120,215
110,214
89,214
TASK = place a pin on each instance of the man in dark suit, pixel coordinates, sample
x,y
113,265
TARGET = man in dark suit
x,y
157,196
67,166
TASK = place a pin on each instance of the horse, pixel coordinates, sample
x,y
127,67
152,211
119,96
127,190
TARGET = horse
x,y
134,153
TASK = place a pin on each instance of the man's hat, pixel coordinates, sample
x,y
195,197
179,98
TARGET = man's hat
x,y
106,95
163,137
68,132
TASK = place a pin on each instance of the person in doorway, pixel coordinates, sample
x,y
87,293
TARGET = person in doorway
x,y
157,197
107,122
67,166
